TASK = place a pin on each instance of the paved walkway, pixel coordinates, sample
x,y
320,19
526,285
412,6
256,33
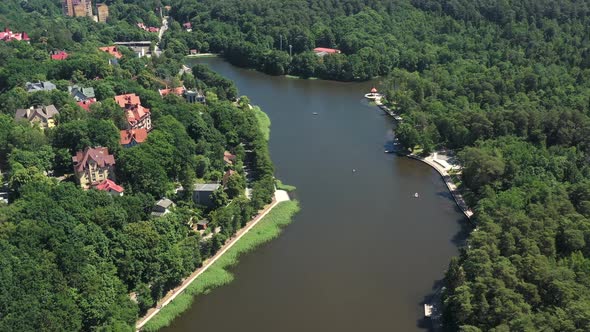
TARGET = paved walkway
x,y
280,196
443,171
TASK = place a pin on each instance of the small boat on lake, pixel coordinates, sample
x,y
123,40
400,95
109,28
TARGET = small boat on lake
x,y
315,113
416,195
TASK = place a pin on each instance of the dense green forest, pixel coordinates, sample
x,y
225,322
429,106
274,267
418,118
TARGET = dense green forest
x,y
69,258
504,83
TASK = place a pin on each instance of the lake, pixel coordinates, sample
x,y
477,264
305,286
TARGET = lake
x,y
363,254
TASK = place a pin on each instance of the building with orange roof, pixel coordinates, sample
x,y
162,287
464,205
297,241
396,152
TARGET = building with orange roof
x,y
177,91
85,104
112,50
137,115
60,55
127,99
111,187
132,137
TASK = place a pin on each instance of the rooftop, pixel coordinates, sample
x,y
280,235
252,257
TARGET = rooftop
x,y
207,186
127,99
127,136
45,112
8,35
85,104
179,91
61,55
109,185
112,50
40,86
99,154
165,203
326,50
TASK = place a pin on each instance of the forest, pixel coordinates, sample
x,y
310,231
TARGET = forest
x,y
503,83
86,260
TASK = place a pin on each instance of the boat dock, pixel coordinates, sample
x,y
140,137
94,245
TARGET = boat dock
x,y
376,97
387,110
442,168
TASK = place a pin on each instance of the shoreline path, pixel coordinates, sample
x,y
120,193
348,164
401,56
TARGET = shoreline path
x,y
280,196
442,167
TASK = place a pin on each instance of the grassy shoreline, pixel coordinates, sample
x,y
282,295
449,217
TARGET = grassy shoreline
x,y
217,275
263,122
286,187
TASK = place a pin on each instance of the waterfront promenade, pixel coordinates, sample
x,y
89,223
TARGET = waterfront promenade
x,y
443,168
280,196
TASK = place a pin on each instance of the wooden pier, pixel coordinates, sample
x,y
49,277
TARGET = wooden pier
x,y
377,98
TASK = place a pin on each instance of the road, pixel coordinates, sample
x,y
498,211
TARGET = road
x,y
163,28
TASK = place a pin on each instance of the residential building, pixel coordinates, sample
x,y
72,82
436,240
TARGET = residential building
x,y
77,8
93,165
191,96
127,99
132,137
321,51
81,94
102,11
8,35
179,91
112,50
202,225
187,26
85,104
137,115
202,193
162,207
43,115
229,158
194,96
146,28
40,86
110,187
228,174
59,55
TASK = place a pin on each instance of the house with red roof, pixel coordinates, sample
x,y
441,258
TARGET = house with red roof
x,y
60,56
132,137
148,29
7,35
110,187
93,165
137,115
112,50
321,51
85,104
179,91
188,26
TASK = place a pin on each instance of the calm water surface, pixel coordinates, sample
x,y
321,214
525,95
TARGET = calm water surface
x,y
363,254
